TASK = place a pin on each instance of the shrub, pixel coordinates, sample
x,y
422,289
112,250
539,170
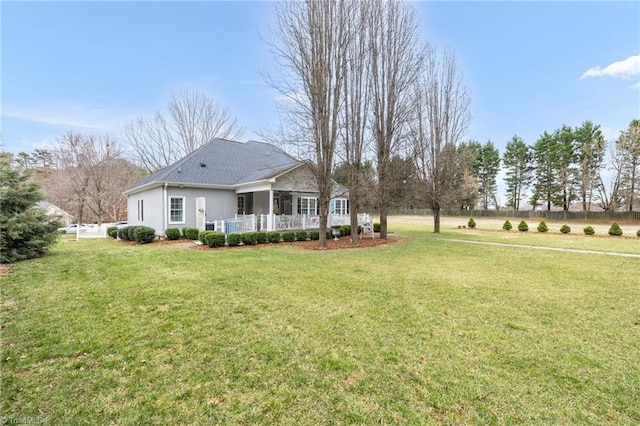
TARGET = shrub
x,y
301,235
143,234
121,233
127,233
376,227
471,224
522,226
273,236
111,233
172,233
249,238
202,235
261,237
234,239
615,230
589,230
288,236
314,235
214,239
345,230
507,225
542,227
190,233
638,233
565,229
329,234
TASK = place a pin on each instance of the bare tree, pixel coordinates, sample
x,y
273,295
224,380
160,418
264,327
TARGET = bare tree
x,y
395,64
310,44
441,103
91,173
192,119
610,193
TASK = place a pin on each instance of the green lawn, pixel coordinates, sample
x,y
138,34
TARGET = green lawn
x,y
424,331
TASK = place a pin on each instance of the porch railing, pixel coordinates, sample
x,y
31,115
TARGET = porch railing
x,y
240,223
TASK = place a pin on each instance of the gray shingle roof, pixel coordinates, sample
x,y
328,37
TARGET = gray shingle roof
x,y
227,163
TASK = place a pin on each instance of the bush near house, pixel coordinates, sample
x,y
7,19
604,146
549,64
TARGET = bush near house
x,y
234,239
471,224
638,233
214,239
273,236
301,235
190,233
345,230
542,226
588,230
522,226
565,229
615,230
507,226
261,237
376,227
172,233
248,238
112,231
314,235
144,234
288,236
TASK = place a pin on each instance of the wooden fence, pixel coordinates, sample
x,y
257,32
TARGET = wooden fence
x,y
530,214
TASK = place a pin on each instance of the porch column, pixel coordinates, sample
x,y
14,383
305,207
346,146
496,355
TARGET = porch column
x,y
270,225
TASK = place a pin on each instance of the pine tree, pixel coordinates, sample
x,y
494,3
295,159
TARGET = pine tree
x,y
590,146
25,230
629,147
486,170
546,160
518,167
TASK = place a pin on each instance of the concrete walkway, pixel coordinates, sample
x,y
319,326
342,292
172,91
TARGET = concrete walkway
x,y
566,250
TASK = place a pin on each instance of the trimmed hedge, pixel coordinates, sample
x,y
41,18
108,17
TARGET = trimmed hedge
x,y
345,230
143,234
542,227
273,236
111,233
565,229
376,227
248,238
315,235
234,239
288,236
589,230
190,233
301,235
507,226
172,233
214,238
261,237
638,233
522,226
471,224
615,230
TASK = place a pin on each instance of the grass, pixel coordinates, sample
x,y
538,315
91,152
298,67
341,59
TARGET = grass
x,y
425,331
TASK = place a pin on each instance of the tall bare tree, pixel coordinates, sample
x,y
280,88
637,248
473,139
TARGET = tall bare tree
x,y
311,40
90,173
590,147
395,65
191,120
441,103
628,146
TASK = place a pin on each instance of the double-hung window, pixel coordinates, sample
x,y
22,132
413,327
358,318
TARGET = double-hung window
x,y
308,206
176,210
339,206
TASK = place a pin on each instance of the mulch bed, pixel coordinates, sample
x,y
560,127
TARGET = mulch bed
x,y
341,243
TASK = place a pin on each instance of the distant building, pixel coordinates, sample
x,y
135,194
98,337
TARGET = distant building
x,y
65,218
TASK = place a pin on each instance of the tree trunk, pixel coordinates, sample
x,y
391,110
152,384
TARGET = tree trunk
x,y
436,220
383,221
353,217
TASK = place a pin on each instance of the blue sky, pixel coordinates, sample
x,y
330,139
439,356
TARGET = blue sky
x,y
94,66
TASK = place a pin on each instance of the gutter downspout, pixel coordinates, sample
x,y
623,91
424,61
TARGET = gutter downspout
x,y
164,207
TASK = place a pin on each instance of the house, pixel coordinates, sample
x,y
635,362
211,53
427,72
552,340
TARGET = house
x,y
65,218
232,187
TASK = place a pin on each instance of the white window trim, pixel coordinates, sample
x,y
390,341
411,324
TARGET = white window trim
x,y
184,214
306,211
343,204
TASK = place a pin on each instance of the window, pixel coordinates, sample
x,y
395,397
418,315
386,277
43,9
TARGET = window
x,y
240,209
308,206
176,209
339,206
141,210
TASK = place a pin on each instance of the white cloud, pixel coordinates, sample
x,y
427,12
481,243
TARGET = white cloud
x,y
623,69
636,86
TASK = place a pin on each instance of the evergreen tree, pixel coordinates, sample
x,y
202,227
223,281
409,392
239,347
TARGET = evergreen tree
x,y
590,146
546,166
486,170
629,147
565,146
517,161
26,231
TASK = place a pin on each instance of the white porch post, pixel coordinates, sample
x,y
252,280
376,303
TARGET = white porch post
x,y
270,227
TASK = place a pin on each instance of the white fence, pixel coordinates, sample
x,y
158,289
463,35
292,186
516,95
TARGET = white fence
x,y
269,222
91,232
